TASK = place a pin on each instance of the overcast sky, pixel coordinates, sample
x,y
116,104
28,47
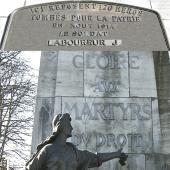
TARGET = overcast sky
x,y
34,57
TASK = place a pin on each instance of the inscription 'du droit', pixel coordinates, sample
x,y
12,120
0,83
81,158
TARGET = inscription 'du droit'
x,y
131,140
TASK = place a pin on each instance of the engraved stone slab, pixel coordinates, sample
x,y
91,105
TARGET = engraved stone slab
x,y
104,124
84,25
142,75
106,74
69,75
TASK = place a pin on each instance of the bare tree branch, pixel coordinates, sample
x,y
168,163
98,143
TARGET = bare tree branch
x,y
17,97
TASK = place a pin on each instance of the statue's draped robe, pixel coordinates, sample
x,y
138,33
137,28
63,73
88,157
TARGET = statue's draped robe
x,y
54,157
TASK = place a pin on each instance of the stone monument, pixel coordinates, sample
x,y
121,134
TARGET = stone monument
x,y
80,25
98,64
114,101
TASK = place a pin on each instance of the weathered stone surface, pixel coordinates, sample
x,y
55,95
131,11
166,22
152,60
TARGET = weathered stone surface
x,y
104,124
157,162
156,127
57,106
106,74
165,125
134,162
61,32
69,75
47,75
43,119
162,69
46,114
133,117
142,75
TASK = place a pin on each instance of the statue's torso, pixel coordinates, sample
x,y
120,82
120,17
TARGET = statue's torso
x,y
61,158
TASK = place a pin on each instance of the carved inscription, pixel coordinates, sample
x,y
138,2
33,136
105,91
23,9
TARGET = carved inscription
x,y
82,25
111,123
103,65
108,111
106,73
86,6
103,73
82,43
107,87
109,140
104,62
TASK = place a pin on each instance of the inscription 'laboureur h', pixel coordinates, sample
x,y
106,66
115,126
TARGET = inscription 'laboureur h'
x,y
109,111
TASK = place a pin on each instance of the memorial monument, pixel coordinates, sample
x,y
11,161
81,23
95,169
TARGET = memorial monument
x,y
98,63
114,101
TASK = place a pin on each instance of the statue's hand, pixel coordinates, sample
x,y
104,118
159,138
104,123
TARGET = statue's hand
x,y
123,157
119,152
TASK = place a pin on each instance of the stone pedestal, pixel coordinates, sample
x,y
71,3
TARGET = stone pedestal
x,y
113,99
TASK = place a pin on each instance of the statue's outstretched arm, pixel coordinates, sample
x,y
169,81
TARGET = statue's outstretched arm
x,y
103,157
92,160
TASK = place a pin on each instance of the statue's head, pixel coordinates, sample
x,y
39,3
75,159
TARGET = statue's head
x,y
62,124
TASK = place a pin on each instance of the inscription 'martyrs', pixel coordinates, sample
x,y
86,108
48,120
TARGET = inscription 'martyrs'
x,y
109,111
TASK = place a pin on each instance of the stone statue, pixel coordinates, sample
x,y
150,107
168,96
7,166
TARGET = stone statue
x,y
57,154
